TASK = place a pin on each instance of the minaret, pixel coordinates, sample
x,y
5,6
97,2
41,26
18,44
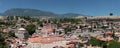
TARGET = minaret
x,y
14,17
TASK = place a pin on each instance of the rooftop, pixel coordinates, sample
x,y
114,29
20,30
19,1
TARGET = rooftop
x,y
21,29
46,39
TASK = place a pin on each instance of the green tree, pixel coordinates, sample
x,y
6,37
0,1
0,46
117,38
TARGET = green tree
x,y
113,44
111,14
34,20
104,27
94,42
67,29
58,24
40,23
2,43
11,34
30,28
26,17
10,17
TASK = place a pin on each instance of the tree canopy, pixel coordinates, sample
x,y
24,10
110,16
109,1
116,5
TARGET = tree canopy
x,y
111,14
30,28
114,44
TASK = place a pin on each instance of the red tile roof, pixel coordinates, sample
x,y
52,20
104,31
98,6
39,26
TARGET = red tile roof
x,y
46,39
108,32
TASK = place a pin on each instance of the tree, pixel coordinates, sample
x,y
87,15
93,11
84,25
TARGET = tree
x,y
67,29
79,36
26,17
2,42
11,34
104,27
54,31
40,23
30,28
10,17
58,24
114,44
104,44
94,42
111,14
34,19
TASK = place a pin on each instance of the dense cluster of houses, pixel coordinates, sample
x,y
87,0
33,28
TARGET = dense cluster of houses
x,y
51,36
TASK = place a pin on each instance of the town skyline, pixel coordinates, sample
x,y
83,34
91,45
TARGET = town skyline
x,y
59,24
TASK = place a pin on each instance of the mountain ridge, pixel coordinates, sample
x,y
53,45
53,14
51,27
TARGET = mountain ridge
x,y
34,12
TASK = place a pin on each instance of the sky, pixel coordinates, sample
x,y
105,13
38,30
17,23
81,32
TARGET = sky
x,y
86,7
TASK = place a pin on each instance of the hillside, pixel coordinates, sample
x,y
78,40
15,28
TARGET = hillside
x,y
34,12
27,12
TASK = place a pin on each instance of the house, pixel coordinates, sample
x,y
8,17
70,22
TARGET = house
x,y
117,34
22,33
46,41
17,43
5,29
108,38
2,17
38,29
